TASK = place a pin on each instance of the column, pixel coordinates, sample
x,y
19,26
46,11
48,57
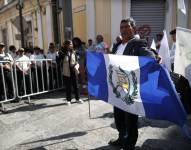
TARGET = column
x,y
49,24
116,17
39,24
90,17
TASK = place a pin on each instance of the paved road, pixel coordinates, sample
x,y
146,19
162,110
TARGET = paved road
x,y
50,124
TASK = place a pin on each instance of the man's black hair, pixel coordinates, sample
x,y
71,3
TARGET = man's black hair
x,y
129,20
12,47
173,32
51,44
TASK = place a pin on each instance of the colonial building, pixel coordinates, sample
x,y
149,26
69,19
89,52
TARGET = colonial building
x,y
48,21
92,17
37,22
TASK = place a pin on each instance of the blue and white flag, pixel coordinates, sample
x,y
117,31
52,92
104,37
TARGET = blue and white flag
x,y
134,84
164,51
181,6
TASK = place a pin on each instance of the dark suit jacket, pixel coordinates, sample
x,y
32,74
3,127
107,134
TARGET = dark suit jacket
x,y
135,47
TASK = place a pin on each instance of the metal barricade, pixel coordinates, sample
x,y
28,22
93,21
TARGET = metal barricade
x,y
7,86
41,77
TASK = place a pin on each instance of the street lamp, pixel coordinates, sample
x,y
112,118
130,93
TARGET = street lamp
x,y
19,7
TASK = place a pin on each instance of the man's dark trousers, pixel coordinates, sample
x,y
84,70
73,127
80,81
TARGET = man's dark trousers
x,y
126,124
70,82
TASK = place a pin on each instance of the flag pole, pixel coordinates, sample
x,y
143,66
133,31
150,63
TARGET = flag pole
x,y
89,106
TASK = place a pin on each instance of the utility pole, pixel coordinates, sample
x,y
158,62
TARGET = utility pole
x,y
19,6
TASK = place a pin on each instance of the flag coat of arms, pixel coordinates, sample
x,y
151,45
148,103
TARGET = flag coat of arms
x,y
134,84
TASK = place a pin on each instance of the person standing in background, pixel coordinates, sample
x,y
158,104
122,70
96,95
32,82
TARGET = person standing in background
x,y
52,54
6,70
12,51
69,60
101,46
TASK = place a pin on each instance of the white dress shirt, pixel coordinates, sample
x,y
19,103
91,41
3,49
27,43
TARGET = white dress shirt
x,y
172,52
23,62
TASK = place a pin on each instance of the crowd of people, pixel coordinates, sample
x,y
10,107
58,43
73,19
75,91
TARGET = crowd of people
x,y
26,70
31,70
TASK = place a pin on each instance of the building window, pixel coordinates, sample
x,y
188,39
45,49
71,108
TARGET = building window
x,y
28,30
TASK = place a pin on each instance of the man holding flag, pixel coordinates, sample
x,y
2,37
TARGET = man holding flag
x,y
134,85
126,123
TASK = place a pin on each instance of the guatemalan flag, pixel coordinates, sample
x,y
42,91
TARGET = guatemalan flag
x,y
135,84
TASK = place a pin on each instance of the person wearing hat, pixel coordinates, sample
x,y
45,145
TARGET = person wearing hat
x,y
23,66
52,66
6,71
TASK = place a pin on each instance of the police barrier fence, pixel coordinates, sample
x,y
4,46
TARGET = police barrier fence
x,y
28,78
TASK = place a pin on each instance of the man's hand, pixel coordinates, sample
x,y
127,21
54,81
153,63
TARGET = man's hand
x,y
25,72
159,59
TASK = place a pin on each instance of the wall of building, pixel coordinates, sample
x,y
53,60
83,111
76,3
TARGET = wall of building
x,y
174,14
37,16
61,21
117,14
35,28
103,19
44,31
89,19
79,19
9,15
